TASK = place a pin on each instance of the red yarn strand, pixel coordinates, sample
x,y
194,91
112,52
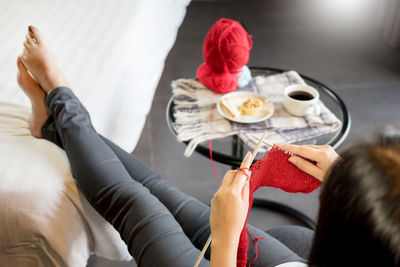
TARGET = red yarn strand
x,y
245,172
212,161
255,246
210,142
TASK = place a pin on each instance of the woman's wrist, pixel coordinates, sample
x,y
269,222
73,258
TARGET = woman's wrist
x,y
225,242
228,237
223,253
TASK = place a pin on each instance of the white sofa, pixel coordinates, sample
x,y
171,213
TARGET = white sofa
x,y
113,54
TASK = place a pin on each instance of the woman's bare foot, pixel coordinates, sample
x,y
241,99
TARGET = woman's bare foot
x,y
40,61
36,96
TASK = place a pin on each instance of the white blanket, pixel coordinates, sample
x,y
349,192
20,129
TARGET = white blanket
x,y
113,54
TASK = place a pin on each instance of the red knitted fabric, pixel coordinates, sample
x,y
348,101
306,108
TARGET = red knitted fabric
x,y
274,170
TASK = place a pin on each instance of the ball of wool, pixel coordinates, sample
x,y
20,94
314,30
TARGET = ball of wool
x,y
226,46
220,83
226,50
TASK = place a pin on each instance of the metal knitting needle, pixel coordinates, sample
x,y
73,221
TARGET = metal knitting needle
x,y
207,244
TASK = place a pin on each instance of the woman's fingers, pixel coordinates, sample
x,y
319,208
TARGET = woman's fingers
x,y
235,175
315,146
228,178
242,175
247,160
307,167
246,190
304,151
240,180
324,156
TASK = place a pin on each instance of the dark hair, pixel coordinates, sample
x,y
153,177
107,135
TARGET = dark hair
x,y
359,217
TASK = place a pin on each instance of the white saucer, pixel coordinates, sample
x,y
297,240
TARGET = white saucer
x,y
266,111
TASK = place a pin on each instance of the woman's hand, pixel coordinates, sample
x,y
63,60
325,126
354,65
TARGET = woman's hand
x,y
229,208
324,156
230,204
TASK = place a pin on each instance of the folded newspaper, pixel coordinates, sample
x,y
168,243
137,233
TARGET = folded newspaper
x,y
197,118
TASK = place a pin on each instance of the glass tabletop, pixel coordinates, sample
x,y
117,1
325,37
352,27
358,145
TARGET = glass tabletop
x,y
230,150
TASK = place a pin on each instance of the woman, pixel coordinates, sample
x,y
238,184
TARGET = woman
x,y
164,227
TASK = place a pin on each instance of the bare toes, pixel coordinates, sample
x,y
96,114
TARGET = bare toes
x,y
35,34
27,46
29,40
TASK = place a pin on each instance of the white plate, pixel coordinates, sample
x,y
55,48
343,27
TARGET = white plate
x,y
266,111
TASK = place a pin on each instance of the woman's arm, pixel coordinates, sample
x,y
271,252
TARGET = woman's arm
x,y
229,208
324,156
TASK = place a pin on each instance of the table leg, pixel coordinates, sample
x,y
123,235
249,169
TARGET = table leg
x,y
237,148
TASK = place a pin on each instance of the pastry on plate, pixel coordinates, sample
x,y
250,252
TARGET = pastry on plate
x,y
251,106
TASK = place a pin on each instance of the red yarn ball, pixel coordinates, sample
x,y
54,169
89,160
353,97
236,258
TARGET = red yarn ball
x,y
221,83
226,46
226,50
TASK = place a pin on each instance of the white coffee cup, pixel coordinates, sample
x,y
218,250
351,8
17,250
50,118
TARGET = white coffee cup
x,y
304,102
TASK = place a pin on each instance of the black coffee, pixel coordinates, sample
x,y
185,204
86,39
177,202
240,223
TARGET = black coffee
x,y
301,95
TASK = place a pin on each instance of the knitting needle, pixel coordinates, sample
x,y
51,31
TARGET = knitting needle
x,y
203,251
196,264
265,141
260,142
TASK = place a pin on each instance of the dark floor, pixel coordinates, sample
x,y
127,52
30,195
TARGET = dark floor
x,y
319,41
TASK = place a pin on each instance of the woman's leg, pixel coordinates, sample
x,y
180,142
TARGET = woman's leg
x,y
298,239
190,213
152,234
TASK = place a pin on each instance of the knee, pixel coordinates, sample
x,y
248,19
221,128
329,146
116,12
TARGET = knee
x,y
152,178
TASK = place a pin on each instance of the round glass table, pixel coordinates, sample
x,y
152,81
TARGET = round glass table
x,y
230,150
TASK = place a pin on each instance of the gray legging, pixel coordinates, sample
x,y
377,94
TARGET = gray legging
x,y
161,225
